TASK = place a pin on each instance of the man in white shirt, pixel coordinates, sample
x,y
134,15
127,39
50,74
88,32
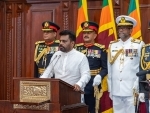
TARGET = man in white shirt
x,y
68,64
123,64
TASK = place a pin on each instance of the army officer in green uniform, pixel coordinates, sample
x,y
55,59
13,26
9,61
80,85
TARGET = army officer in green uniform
x,y
46,48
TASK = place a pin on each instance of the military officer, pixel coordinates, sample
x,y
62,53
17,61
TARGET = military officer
x,y
144,86
46,48
123,64
97,58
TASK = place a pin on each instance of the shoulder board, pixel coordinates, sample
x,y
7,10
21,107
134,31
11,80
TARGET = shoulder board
x,y
57,41
38,42
136,41
146,45
79,44
114,41
99,45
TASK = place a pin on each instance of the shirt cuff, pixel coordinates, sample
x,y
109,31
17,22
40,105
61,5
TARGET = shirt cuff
x,y
80,84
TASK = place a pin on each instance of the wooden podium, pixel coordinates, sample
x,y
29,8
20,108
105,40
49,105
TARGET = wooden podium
x,y
43,96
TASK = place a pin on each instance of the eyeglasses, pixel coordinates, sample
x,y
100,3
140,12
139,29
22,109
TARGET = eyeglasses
x,y
123,28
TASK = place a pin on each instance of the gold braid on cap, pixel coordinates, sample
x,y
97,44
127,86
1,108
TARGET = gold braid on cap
x,y
112,60
144,65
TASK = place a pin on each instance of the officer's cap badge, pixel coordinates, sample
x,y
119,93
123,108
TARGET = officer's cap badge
x,y
86,25
46,24
123,20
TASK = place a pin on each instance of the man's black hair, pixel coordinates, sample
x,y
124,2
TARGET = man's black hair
x,y
71,34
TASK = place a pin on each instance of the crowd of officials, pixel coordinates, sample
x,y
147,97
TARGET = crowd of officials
x,y
85,65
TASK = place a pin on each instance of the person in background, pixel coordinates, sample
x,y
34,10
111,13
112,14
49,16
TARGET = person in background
x,y
44,50
144,80
123,64
68,64
97,58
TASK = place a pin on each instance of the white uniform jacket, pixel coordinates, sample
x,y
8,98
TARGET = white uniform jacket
x,y
123,66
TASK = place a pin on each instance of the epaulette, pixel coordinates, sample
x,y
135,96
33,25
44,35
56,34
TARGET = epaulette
x,y
79,44
100,46
57,41
136,41
146,45
38,42
114,41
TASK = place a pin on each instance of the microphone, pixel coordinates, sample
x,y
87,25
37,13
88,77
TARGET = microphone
x,y
54,65
56,61
53,59
49,68
142,72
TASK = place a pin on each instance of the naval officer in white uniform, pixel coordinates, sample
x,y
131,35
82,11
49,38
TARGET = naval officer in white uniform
x,y
123,64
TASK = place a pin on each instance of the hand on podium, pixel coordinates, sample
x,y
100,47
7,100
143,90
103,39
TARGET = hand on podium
x,y
77,87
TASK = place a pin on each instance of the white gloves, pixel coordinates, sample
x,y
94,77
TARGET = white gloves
x,y
97,80
141,97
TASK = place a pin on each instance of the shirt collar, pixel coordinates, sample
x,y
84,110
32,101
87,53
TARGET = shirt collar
x,y
68,53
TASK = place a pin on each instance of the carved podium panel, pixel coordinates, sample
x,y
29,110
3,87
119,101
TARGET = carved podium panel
x,y
43,95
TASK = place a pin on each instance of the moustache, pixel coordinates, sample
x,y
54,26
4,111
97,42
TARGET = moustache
x,y
61,46
86,37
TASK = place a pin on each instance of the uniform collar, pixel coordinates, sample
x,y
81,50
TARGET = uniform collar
x,y
88,45
49,43
127,41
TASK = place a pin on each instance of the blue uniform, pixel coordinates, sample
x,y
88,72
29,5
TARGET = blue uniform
x,y
43,54
97,58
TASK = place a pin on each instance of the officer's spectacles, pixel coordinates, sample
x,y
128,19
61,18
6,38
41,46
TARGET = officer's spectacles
x,y
123,28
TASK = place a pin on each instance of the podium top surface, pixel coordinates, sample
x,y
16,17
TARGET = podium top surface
x,y
45,79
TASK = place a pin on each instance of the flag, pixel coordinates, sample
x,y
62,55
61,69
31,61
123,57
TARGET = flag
x,y
107,28
82,16
142,108
105,102
106,33
134,12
